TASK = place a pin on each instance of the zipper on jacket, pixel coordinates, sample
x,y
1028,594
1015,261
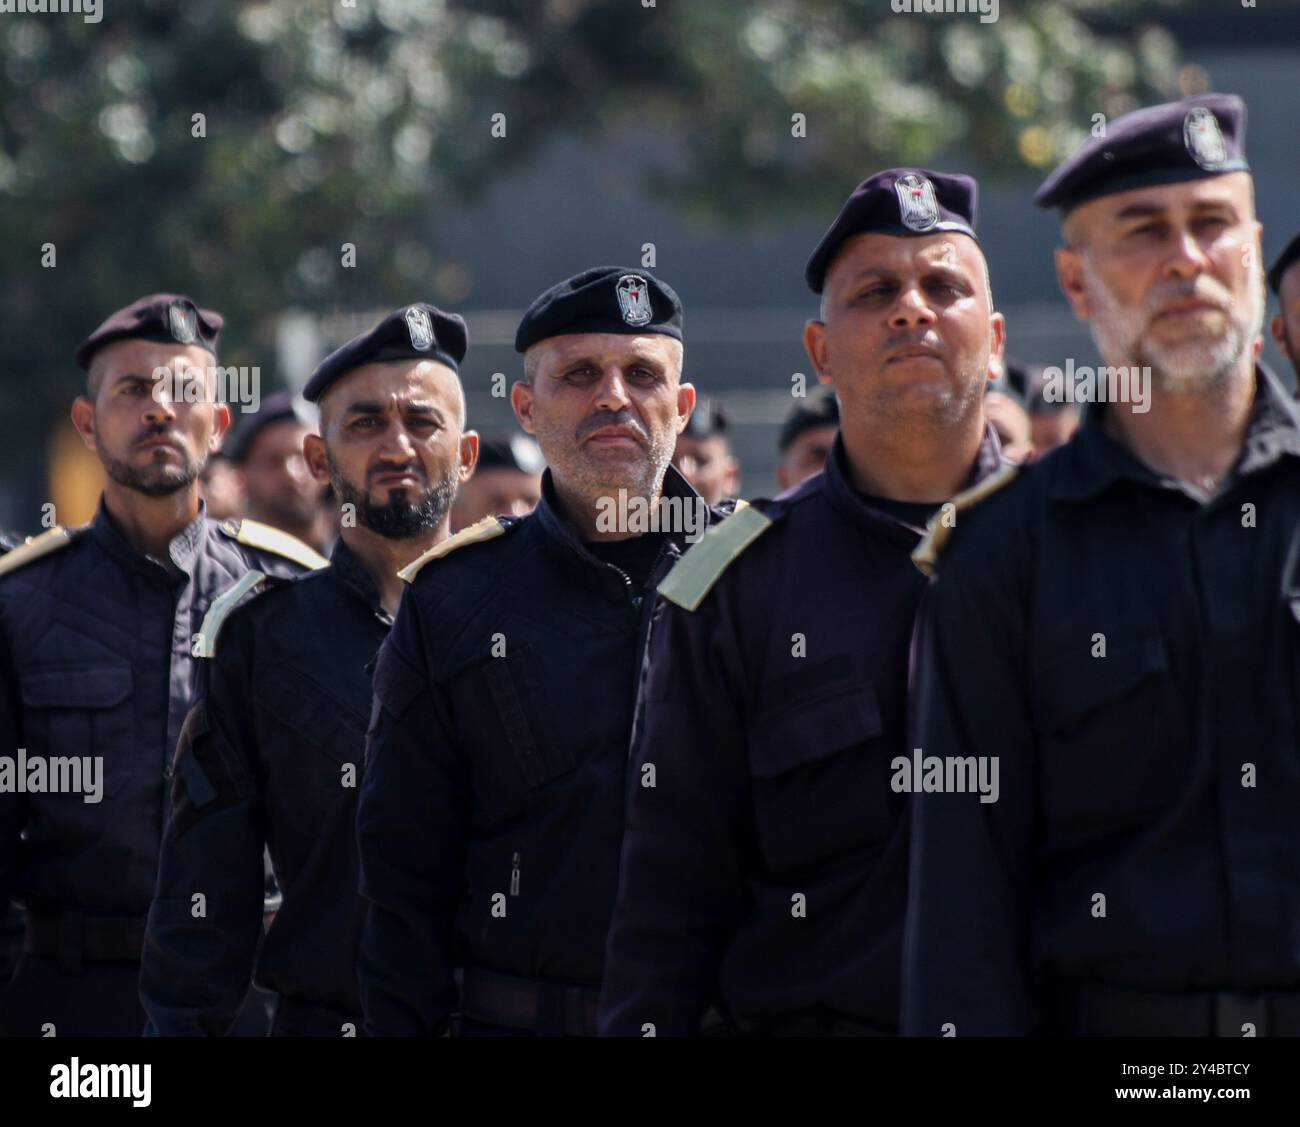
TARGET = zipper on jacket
x,y
514,874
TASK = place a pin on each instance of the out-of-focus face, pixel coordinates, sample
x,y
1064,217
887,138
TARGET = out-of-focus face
x,y
153,433
1286,324
1012,426
806,455
277,483
909,330
222,488
1050,429
497,491
708,464
606,409
392,445
1170,278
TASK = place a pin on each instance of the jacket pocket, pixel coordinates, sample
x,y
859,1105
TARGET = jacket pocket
x,y
1113,743
320,764
820,777
516,696
83,710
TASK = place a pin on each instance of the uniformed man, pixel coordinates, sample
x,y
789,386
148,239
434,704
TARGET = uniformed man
x,y
1118,634
806,437
507,481
765,858
271,754
97,632
1284,281
491,813
703,453
267,449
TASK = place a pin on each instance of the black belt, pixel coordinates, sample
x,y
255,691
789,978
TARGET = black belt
x,y
75,939
1099,1010
295,1017
549,1009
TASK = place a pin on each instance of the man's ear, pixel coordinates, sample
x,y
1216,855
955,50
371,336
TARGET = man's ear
x,y
685,405
1069,274
468,456
313,450
521,399
997,352
83,418
1278,327
814,343
220,424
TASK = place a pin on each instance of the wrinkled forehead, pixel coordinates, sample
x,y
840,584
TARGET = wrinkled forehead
x,y
387,384
131,359
603,349
872,252
1233,191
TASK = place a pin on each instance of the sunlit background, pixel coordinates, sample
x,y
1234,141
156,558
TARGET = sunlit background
x,y
628,131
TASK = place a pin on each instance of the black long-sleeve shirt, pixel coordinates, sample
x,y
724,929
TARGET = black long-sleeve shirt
x,y
1131,652
271,756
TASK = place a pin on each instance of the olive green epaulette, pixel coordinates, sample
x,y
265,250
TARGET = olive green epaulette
x,y
255,534
705,561
37,546
485,529
253,581
926,553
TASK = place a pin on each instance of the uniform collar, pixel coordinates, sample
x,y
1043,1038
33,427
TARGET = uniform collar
x,y
1093,461
182,550
849,503
561,537
347,568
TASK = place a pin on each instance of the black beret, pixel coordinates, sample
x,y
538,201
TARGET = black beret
x,y
1290,254
821,409
278,408
1165,144
170,318
707,419
604,299
414,332
512,452
898,201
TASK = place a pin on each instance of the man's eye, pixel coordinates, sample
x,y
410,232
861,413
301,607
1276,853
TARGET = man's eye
x,y
366,422
1147,230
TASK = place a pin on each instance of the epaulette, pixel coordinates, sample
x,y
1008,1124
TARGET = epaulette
x,y
255,534
485,529
926,553
205,644
49,541
703,564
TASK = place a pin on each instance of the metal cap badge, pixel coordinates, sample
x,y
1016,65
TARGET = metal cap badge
x,y
634,300
420,329
182,322
917,207
1204,138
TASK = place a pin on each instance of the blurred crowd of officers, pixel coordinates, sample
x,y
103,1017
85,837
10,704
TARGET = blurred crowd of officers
x,y
357,722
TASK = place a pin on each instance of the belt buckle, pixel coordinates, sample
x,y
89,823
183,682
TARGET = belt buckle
x,y
1233,1012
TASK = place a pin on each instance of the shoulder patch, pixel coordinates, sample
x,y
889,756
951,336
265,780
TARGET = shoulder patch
x,y
485,529
220,608
255,534
926,553
49,541
703,564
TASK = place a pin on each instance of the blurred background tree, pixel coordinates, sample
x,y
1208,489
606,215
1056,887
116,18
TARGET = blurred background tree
x,y
326,122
